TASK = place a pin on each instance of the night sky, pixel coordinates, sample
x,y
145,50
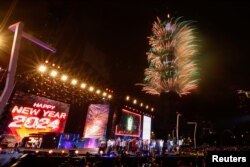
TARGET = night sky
x,y
106,43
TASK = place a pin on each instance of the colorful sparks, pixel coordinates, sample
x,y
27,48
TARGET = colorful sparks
x,y
172,65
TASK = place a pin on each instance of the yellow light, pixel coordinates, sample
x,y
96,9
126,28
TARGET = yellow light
x,y
64,77
146,106
109,96
127,98
98,91
152,109
104,94
42,68
37,151
3,40
91,88
135,101
63,151
83,85
53,73
76,151
50,151
74,82
141,104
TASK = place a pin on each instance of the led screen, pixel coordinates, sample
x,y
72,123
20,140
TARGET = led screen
x,y
33,114
88,143
129,124
96,121
146,132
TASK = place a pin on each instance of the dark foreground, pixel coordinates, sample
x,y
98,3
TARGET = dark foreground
x,y
33,160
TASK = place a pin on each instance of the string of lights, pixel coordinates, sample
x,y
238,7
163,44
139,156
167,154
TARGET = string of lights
x,y
47,80
134,101
138,111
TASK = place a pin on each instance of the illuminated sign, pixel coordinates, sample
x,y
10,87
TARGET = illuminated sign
x,y
146,132
96,121
129,125
32,114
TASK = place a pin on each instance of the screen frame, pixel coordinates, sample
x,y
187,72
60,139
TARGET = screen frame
x,y
131,135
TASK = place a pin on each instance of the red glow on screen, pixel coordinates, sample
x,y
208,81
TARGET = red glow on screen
x,y
134,133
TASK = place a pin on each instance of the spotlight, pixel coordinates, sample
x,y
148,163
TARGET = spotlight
x,y
146,106
104,94
135,101
109,96
42,68
91,88
83,85
53,73
76,151
127,98
64,77
98,91
50,151
152,109
141,104
74,82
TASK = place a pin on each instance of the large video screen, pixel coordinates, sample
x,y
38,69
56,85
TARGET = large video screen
x,y
33,114
96,121
129,125
146,131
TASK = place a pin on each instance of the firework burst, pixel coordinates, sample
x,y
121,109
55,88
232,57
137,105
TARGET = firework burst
x,y
172,65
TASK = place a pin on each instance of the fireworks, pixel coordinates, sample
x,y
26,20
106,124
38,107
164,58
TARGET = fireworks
x,y
171,58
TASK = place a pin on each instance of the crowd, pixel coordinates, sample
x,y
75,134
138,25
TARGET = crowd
x,y
131,152
138,147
